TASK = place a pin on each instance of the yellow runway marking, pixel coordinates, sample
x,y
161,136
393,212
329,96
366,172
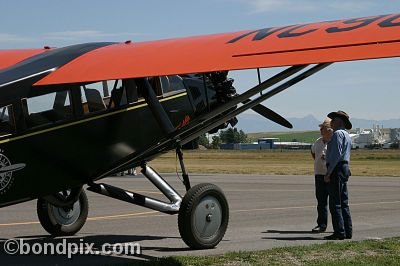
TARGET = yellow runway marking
x,y
313,206
268,190
98,218
121,216
21,223
158,214
374,203
274,209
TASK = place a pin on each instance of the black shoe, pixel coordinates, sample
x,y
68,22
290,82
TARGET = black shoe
x,y
334,237
318,229
349,237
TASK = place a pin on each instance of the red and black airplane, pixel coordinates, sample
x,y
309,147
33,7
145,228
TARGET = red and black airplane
x,y
74,115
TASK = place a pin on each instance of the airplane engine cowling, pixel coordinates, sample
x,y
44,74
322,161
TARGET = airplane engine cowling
x,y
224,93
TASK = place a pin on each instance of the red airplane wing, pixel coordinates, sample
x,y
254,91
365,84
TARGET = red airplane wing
x,y
332,41
11,57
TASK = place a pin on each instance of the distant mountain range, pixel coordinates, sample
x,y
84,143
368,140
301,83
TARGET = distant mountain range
x,y
251,123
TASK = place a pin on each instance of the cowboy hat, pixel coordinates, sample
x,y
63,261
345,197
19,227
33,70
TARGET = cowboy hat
x,y
343,116
326,123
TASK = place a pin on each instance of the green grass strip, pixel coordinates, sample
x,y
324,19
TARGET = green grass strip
x,y
367,252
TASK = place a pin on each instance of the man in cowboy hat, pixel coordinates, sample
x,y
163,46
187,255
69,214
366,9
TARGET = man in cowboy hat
x,y
318,152
338,172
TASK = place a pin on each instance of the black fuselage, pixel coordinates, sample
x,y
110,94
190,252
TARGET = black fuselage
x,y
64,155
62,136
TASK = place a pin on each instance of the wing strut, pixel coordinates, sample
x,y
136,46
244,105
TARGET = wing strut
x,y
206,91
246,95
193,132
214,118
155,106
259,77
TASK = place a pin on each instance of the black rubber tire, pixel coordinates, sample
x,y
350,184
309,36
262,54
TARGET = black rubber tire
x,y
47,217
186,219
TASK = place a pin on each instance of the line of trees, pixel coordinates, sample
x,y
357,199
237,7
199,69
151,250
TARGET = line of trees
x,y
230,135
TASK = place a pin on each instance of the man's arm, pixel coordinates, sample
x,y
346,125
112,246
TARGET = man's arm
x,y
312,150
335,150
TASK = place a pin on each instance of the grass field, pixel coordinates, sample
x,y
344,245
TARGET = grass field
x,y
276,162
368,252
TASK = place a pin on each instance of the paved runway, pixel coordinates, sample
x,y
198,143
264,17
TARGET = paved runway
x,y
265,212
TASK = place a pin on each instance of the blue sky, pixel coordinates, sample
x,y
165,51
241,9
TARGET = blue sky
x,y
365,89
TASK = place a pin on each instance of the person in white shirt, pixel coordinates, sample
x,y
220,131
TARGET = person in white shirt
x,y
318,152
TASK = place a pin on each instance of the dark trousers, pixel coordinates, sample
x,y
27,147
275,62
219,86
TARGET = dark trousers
x,y
339,201
321,193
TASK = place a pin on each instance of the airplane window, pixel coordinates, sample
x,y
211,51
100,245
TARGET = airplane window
x,y
48,108
172,83
118,98
165,84
94,100
7,125
103,95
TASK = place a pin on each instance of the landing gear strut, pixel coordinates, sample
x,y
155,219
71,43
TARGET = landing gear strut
x,y
185,175
203,213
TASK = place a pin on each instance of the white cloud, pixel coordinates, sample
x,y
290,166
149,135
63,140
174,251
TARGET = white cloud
x,y
79,35
7,38
261,6
63,38
352,5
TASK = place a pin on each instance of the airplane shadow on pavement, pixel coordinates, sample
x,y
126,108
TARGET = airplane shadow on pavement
x,y
96,242
313,236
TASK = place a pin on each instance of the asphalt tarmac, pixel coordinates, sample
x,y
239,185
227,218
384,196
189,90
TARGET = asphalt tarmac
x,y
265,212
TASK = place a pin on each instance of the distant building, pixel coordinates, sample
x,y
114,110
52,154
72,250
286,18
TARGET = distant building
x,y
293,145
276,143
266,144
394,134
244,146
268,141
368,138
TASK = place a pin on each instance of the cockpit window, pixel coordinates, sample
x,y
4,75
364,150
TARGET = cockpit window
x,y
47,109
95,96
108,95
172,83
7,124
93,100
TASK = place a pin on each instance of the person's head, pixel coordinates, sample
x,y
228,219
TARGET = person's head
x,y
326,130
340,120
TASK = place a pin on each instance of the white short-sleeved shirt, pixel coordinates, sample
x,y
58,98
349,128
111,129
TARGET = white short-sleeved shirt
x,y
319,149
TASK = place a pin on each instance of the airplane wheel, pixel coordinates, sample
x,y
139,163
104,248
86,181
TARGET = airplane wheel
x,y
63,221
203,216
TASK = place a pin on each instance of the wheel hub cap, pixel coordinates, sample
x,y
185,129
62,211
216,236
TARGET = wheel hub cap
x,y
207,217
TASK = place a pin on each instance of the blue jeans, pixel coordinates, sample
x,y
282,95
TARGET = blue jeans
x,y
321,193
339,201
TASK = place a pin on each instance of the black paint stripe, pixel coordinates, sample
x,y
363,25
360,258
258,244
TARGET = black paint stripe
x,y
45,61
317,48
